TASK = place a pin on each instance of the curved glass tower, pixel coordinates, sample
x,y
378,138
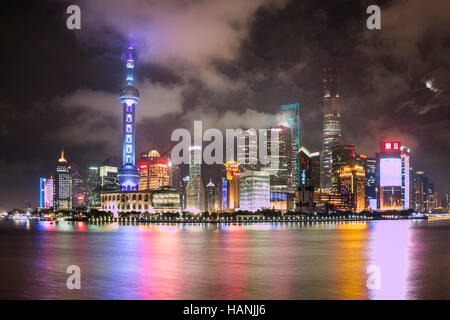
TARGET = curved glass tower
x,y
331,135
128,175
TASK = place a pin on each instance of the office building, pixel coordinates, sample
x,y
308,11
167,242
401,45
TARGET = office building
x,y
254,190
392,176
108,178
315,170
291,115
46,193
371,193
342,155
352,182
154,172
62,185
331,135
166,199
211,204
233,175
195,192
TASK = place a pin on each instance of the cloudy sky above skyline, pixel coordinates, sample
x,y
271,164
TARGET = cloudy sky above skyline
x,y
229,63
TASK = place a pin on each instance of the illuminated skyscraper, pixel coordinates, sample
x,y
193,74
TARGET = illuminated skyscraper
x,y
281,183
315,170
46,192
419,187
352,182
305,166
41,192
93,179
108,178
128,175
63,185
248,152
291,114
280,177
210,196
233,174
342,155
154,172
195,192
254,190
392,176
331,135
371,193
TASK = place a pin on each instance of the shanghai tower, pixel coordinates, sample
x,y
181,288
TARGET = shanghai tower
x,y
128,174
331,134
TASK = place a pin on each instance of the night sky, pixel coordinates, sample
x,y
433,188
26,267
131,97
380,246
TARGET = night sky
x,y
229,63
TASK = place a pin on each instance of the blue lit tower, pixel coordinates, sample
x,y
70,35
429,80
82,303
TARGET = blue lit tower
x,y
291,115
128,175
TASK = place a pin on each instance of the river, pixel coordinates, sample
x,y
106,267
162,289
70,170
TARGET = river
x,y
410,260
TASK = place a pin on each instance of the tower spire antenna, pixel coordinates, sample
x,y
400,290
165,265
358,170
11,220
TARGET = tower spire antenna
x,y
62,156
130,65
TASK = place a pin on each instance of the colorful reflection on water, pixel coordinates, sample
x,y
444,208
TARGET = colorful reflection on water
x,y
228,261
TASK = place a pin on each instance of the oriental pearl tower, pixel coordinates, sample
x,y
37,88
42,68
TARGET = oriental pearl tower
x,y
128,175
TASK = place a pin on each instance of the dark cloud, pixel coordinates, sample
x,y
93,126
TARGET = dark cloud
x,y
228,63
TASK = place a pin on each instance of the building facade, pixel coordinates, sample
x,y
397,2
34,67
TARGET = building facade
x,y
342,155
291,115
304,166
108,177
352,182
254,190
331,135
233,177
166,199
315,170
195,191
211,204
392,176
46,190
154,172
62,185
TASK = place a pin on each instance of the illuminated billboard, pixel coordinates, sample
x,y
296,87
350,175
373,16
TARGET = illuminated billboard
x,y
391,145
391,172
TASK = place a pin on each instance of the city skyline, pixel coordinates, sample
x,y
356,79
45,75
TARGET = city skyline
x,y
415,116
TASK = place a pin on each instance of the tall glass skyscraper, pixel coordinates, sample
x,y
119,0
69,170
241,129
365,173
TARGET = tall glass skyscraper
x,y
63,185
195,191
331,135
128,175
291,114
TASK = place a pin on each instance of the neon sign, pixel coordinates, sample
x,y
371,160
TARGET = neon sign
x,y
392,145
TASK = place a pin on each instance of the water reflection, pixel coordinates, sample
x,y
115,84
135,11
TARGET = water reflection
x,y
301,260
389,250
